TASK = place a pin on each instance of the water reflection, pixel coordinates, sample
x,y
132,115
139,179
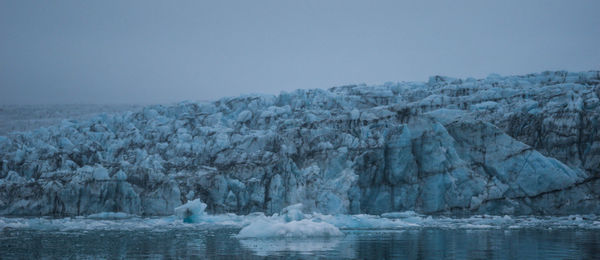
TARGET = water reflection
x,y
265,247
221,243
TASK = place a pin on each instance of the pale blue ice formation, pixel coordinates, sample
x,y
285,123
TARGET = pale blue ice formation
x,y
192,211
501,145
297,228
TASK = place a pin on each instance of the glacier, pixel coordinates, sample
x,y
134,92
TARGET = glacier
x,y
502,145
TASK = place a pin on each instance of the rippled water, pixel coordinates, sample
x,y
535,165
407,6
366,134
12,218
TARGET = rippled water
x,y
219,242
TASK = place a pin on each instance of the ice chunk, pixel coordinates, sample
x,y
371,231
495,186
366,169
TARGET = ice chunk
x,y
363,221
293,212
244,116
14,177
192,211
297,229
403,214
291,223
101,174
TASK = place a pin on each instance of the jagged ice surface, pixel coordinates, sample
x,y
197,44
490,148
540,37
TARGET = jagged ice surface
x,y
501,145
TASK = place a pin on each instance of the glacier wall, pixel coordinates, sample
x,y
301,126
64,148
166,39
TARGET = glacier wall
x,y
501,145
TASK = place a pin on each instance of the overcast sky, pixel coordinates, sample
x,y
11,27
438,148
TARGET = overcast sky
x,y
166,51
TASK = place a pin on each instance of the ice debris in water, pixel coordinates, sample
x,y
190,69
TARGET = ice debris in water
x,y
110,215
293,223
290,223
292,227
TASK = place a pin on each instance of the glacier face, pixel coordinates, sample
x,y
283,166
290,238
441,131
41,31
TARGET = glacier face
x,y
500,145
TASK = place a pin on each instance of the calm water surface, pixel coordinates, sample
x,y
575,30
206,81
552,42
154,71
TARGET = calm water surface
x,y
220,243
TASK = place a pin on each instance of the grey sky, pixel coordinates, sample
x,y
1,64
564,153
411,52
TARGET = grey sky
x,y
166,51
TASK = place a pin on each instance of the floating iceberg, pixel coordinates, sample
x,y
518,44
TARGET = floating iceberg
x,y
293,229
191,212
291,224
259,226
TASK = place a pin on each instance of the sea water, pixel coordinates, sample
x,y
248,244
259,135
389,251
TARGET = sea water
x,y
403,235
210,243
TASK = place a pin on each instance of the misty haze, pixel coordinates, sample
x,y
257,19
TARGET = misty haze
x,y
300,129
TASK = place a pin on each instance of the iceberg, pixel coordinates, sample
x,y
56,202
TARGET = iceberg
x,y
291,224
502,145
192,211
294,229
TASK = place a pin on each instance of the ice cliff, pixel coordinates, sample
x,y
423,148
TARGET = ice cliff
x,y
500,145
